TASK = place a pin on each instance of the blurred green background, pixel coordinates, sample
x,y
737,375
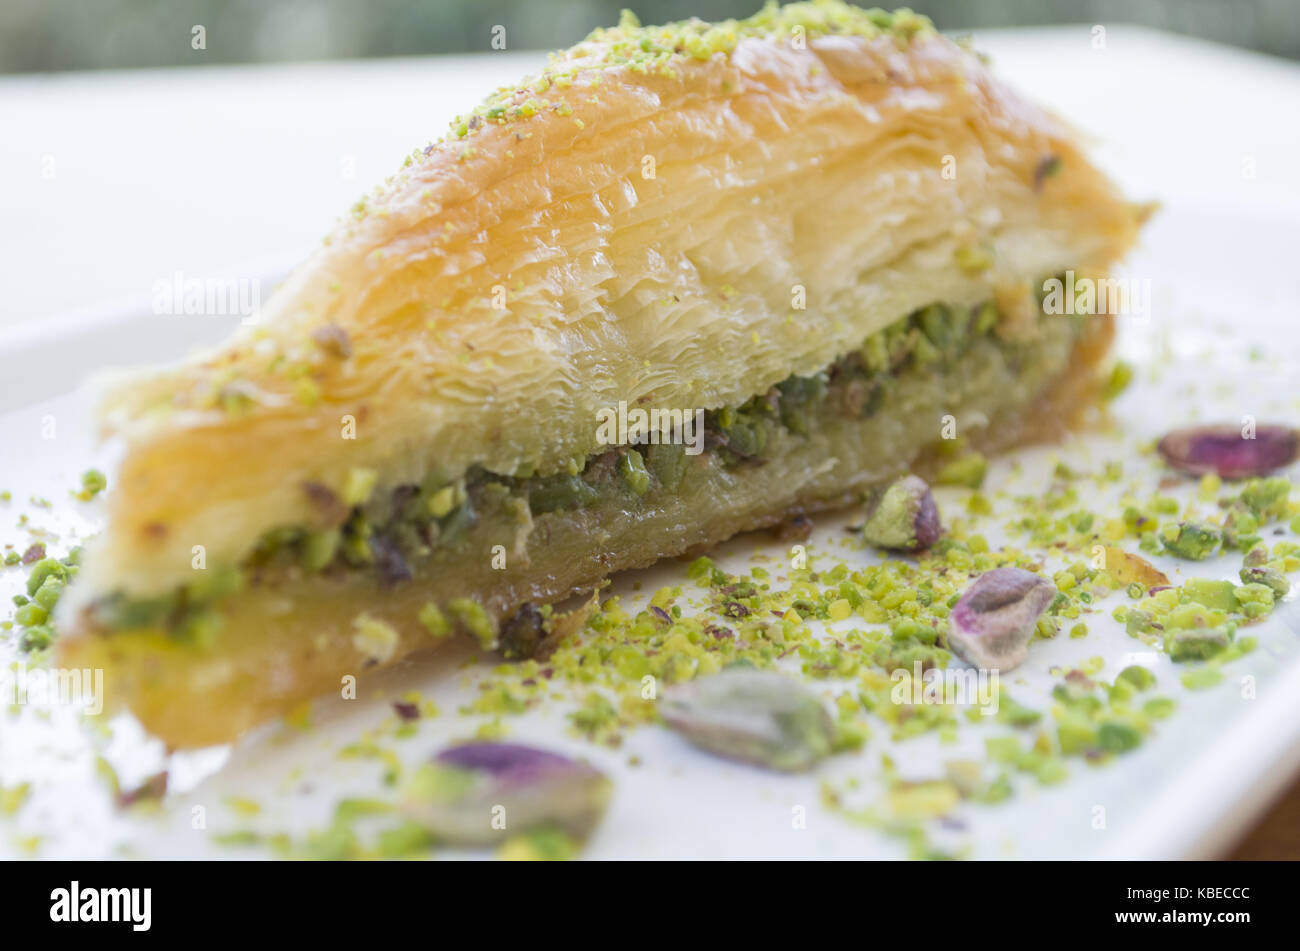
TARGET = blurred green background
x,y
45,35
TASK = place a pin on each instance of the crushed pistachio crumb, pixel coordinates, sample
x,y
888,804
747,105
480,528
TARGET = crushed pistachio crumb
x,y
376,640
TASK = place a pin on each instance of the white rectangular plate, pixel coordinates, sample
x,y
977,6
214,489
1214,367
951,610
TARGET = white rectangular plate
x,y
1218,345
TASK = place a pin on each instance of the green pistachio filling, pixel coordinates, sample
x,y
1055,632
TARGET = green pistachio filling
x,y
390,534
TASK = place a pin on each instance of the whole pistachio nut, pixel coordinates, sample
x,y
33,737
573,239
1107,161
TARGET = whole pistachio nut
x,y
903,517
755,716
990,626
478,794
1230,451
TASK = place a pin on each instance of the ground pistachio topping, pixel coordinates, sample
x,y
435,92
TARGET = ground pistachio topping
x,y
46,579
374,639
93,482
663,50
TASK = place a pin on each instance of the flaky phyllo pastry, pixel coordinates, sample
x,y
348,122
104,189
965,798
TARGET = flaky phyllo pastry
x,y
790,245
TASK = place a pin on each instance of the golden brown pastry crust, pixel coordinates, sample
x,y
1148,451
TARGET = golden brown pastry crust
x,y
773,169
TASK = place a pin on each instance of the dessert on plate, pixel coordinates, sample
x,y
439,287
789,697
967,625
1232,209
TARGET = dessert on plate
x,y
689,281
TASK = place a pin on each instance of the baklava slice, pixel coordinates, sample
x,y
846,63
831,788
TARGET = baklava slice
x,y
689,281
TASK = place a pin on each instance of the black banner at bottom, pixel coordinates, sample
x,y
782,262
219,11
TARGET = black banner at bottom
x,y
333,900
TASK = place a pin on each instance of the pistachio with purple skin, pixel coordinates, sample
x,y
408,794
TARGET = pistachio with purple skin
x,y
991,625
479,794
1227,451
903,517
756,716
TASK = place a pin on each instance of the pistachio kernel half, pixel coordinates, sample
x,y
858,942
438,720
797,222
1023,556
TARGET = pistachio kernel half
x,y
991,624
